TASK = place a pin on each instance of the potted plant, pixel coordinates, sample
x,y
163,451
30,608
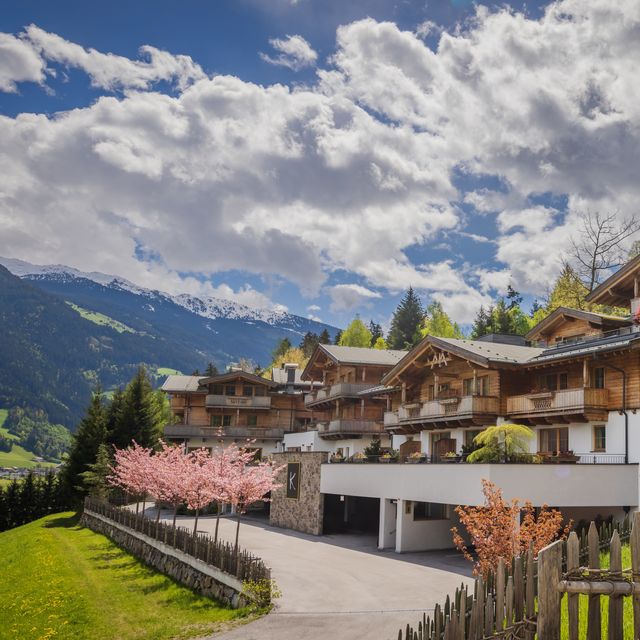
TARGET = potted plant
x,y
389,456
374,450
416,457
565,457
451,456
359,457
336,457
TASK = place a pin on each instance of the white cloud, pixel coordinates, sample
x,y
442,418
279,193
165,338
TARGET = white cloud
x,y
313,307
347,297
345,175
109,71
18,63
293,52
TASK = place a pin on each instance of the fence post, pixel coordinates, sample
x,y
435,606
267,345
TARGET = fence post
x,y
573,607
549,575
635,566
593,614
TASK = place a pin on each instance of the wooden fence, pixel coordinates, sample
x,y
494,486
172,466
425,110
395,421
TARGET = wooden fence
x,y
218,554
524,601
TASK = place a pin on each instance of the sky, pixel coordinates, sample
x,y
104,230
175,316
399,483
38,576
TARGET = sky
x,y
317,155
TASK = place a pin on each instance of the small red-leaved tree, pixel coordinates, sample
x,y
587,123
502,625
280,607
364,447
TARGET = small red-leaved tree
x,y
501,529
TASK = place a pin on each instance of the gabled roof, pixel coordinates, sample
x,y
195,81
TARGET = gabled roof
x,y
234,375
355,355
181,384
557,316
477,351
618,289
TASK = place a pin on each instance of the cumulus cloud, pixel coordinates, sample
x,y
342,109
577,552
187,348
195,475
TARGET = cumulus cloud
x,y
18,63
347,174
293,52
347,297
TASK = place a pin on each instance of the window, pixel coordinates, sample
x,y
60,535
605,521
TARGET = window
x,y
217,390
226,421
554,440
554,381
258,391
467,387
230,390
599,437
598,378
216,421
482,386
469,435
252,421
429,511
430,392
247,390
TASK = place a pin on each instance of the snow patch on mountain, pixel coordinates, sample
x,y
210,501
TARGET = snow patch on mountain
x,y
207,307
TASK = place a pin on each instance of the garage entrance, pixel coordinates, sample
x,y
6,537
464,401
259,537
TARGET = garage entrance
x,y
351,514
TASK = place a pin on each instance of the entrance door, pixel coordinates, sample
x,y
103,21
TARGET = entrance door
x,y
443,446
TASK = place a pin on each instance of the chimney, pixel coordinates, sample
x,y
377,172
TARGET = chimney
x,y
290,368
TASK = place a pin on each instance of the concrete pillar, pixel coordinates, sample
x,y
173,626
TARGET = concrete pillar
x,y
401,505
387,528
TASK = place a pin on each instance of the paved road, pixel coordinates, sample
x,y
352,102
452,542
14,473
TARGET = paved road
x,y
340,587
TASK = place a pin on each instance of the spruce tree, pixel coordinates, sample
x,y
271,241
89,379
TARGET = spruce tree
x,y
376,332
94,479
406,322
324,337
12,501
27,500
500,318
308,343
480,325
338,337
514,299
136,419
91,433
211,370
4,510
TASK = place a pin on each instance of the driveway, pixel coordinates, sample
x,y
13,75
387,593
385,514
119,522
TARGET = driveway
x,y
340,586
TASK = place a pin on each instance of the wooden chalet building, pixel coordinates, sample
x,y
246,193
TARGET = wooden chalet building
x,y
236,407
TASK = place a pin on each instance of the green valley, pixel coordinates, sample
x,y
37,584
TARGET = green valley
x,y
101,319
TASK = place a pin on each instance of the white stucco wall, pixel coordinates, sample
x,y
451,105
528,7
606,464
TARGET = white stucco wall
x,y
420,535
570,485
387,527
307,441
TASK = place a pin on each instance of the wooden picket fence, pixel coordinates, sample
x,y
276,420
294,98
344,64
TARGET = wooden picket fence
x,y
216,553
524,601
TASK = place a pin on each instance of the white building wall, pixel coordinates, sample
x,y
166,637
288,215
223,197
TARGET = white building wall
x,y
387,530
306,440
420,535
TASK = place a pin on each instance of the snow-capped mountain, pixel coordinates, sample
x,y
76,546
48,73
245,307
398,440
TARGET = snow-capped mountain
x,y
206,307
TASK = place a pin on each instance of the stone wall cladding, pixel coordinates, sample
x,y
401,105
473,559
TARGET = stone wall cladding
x,y
306,513
182,568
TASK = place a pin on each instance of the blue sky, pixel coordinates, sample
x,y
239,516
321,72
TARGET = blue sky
x,y
322,156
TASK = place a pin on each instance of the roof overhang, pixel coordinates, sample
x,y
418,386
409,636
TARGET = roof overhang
x,y
617,290
561,314
235,375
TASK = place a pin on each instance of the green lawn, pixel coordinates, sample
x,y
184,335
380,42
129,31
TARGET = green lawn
x,y
166,371
627,615
18,456
101,319
61,581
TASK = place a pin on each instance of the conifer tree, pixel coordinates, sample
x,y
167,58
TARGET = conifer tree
x,y
324,337
481,324
500,318
94,479
281,348
514,299
356,334
211,370
338,336
376,332
406,322
91,433
308,343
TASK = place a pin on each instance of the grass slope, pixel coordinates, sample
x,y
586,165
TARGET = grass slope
x,y
167,371
61,581
18,456
101,319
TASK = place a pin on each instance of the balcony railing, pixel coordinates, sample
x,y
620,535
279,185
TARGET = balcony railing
x,y
452,406
338,390
249,402
196,431
578,400
349,427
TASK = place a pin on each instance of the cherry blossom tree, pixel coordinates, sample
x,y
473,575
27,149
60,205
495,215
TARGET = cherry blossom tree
x,y
131,472
247,484
201,482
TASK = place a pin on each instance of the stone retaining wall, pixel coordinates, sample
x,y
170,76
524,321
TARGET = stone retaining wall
x,y
304,512
185,569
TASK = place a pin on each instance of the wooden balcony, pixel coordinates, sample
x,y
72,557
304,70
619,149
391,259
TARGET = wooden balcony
x,y
343,428
339,390
566,405
238,402
450,411
216,433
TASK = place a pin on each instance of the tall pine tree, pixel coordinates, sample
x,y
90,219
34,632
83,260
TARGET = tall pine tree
x,y
406,322
91,433
324,337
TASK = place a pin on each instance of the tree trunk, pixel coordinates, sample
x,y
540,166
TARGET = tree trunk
x,y
175,513
215,539
237,533
137,506
144,503
195,524
158,514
